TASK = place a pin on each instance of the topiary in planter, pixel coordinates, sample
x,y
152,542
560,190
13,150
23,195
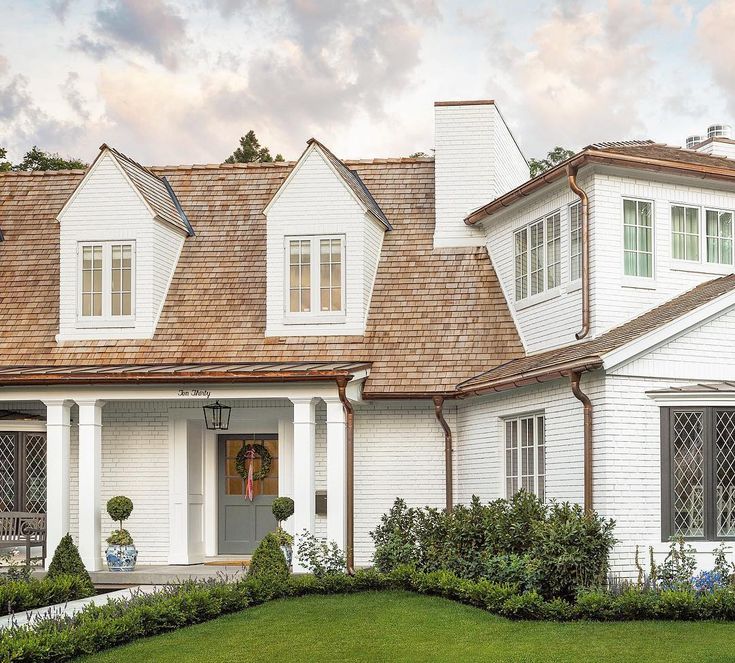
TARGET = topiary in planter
x,y
268,559
121,554
119,508
67,562
283,508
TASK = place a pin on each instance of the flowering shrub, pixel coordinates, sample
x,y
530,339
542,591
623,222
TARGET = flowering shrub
x,y
708,581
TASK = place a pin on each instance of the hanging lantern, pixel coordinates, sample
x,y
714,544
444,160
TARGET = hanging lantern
x,y
217,417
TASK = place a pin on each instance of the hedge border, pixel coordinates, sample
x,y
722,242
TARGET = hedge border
x,y
21,595
119,621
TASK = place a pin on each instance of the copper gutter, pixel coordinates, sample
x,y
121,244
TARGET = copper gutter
x,y
574,378
350,488
604,158
585,204
439,412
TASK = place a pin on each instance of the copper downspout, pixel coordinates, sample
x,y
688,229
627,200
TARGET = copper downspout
x,y
439,411
585,203
574,378
350,488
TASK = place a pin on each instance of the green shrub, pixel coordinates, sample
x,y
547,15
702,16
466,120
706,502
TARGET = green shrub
x,y
20,595
678,604
395,542
559,610
66,561
511,569
524,606
119,508
719,605
268,559
492,596
283,508
677,569
319,557
636,604
120,537
596,604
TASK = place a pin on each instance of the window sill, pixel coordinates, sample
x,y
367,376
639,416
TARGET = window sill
x,y
638,283
105,323
315,319
574,286
701,267
540,298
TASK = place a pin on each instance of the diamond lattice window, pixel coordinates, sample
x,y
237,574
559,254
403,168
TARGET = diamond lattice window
x,y
688,465
7,471
35,473
725,460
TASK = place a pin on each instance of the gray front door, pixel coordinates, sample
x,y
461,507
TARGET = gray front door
x,y
242,523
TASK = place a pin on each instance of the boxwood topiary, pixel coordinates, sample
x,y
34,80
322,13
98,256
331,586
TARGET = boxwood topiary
x,y
283,508
67,562
268,560
119,508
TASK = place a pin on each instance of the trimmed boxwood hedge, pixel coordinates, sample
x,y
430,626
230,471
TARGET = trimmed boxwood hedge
x,y
121,620
20,595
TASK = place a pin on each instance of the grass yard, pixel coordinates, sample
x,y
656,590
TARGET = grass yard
x,y
398,626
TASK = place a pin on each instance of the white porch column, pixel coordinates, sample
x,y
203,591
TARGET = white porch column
x,y
57,473
336,473
90,482
304,449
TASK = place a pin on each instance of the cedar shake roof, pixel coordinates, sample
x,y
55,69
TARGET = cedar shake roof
x,y
155,191
436,317
645,155
357,186
589,354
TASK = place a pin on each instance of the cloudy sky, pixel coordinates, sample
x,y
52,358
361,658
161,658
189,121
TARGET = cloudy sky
x,y
178,81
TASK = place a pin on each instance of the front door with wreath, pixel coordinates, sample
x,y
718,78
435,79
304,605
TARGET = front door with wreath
x,y
248,484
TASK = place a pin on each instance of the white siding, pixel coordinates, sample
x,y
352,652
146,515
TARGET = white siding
x,y
476,160
315,201
549,319
107,208
720,148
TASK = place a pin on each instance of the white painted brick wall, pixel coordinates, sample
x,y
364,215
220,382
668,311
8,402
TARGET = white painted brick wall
x,y
316,202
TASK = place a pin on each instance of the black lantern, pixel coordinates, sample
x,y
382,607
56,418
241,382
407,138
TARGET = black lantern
x,y
217,417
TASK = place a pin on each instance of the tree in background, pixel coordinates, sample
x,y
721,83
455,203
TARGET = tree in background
x,y
4,165
416,155
554,157
36,159
250,151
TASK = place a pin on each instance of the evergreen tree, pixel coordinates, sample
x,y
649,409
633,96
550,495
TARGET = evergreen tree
x,y
553,158
66,561
250,151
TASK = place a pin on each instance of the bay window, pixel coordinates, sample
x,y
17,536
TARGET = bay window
x,y
315,275
638,238
537,256
106,276
698,472
525,455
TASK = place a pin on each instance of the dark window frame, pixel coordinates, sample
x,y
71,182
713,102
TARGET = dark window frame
x,y
20,469
708,471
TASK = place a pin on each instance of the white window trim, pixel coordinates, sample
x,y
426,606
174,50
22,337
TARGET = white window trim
x,y
701,266
518,418
315,316
574,284
106,319
703,228
700,226
545,293
631,280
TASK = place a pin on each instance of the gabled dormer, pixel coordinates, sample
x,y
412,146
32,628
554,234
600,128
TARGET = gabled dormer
x,y
325,233
121,233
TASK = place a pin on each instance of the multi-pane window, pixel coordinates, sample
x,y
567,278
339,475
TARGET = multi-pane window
x,y
106,280
525,455
698,482
315,275
719,236
537,254
575,241
638,238
685,232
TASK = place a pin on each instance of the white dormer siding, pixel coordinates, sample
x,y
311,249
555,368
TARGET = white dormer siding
x,y
476,160
106,208
313,203
719,147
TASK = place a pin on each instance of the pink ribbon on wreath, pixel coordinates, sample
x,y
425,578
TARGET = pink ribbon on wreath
x,y
250,455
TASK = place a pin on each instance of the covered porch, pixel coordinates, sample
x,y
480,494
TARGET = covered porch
x,y
141,432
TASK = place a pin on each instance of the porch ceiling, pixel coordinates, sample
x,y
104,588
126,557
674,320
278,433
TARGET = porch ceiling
x,y
157,373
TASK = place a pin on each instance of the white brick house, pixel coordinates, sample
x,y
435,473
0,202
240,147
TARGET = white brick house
x,y
430,329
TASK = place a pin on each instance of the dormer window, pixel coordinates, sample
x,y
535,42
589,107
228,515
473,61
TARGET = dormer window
x,y
315,275
106,271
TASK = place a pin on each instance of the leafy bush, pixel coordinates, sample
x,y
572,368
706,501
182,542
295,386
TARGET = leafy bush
x,y
119,508
678,568
524,606
708,581
719,604
678,604
636,604
596,604
120,537
20,595
283,508
320,557
268,560
67,562
554,549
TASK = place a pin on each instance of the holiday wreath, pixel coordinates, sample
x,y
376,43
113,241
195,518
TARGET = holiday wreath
x,y
242,458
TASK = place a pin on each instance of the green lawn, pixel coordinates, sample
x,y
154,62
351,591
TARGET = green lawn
x,y
398,626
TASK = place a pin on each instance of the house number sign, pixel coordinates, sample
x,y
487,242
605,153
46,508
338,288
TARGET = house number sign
x,y
194,393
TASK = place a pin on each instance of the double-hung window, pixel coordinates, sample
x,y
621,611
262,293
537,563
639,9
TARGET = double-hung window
x,y
315,275
698,472
575,241
719,236
638,238
525,455
537,256
685,240
106,278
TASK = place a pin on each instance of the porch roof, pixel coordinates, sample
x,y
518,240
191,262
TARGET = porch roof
x,y
210,372
698,388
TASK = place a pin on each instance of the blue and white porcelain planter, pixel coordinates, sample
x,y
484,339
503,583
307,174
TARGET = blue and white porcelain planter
x,y
121,558
287,553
